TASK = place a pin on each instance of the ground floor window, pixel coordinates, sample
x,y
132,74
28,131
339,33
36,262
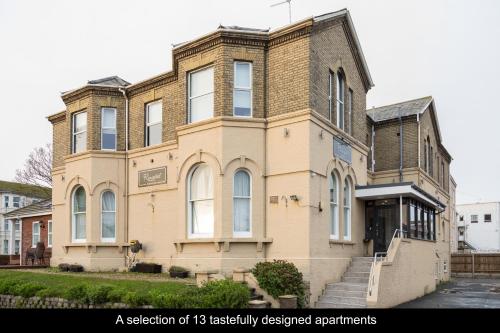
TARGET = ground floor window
x,y
5,246
16,246
49,234
35,234
422,220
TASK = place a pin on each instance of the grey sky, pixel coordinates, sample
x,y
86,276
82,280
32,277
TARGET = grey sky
x,y
448,49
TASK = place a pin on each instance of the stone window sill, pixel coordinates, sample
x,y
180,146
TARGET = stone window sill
x,y
222,244
341,242
92,247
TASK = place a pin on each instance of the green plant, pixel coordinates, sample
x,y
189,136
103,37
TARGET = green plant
x,y
99,294
27,289
135,299
280,278
116,295
7,286
77,292
177,269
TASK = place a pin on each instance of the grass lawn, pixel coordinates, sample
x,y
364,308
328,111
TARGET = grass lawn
x,y
59,283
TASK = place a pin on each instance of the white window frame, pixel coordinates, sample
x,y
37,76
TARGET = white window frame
x,y
39,234
347,211
74,134
16,242
108,128
191,202
14,202
340,100
334,206
6,201
236,88
445,266
330,94
49,233
243,234
350,98
108,239
149,124
476,220
5,249
73,220
206,94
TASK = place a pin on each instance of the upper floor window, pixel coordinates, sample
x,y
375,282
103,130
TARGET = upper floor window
x,y
201,95
487,217
79,132
350,110
242,204
49,233
242,94
154,123
340,100
473,219
442,174
79,212
201,202
16,202
334,206
330,95
6,201
17,225
347,209
108,129
108,217
431,161
35,234
426,155
6,225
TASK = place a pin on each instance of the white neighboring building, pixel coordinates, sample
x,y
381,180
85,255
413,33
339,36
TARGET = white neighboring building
x,y
14,196
479,226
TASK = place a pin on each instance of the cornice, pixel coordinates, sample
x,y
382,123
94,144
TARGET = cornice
x,y
57,117
90,90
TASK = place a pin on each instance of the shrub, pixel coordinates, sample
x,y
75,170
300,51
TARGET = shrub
x,y
177,269
77,292
27,289
63,267
44,293
280,278
7,286
99,294
135,299
116,295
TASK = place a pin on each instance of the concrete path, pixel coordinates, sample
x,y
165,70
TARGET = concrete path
x,y
461,293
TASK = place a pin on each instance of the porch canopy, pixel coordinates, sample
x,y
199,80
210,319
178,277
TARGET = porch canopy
x,y
397,190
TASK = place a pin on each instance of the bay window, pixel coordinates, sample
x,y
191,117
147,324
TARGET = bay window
x,y
108,129
79,132
242,94
108,217
79,212
154,123
201,202
201,95
242,196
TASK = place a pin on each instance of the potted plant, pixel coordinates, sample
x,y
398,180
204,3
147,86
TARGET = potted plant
x,y
178,272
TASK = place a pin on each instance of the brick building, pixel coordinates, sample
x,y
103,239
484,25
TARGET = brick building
x,y
35,225
256,146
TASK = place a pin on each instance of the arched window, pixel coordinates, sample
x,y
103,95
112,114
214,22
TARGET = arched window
x,y
108,217
334,206
242,195
340,100
79,208
347,209
201,202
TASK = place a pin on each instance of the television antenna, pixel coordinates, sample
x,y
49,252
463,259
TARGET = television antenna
x,y
289,8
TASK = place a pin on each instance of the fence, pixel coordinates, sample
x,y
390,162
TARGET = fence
x,y
475,263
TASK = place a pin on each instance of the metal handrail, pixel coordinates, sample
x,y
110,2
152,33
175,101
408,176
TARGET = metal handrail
x,y
383,256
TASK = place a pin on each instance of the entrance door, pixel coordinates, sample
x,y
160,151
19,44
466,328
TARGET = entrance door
x,y
383,229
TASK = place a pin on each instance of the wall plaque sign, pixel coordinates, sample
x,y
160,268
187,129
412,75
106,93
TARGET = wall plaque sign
x,y
153,176
342,150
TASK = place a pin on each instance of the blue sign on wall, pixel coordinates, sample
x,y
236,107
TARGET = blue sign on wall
x,y
342,150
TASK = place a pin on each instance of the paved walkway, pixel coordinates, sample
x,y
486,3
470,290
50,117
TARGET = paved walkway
x,y
461,293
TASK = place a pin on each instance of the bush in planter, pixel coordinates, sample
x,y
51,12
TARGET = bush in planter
x,y
280,278
177,271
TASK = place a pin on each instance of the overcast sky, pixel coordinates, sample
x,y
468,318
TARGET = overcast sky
x,y
447,49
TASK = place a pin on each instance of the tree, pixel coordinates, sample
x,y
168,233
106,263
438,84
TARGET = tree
x,y
37,168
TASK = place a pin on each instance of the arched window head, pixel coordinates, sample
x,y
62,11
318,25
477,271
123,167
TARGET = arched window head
x,y
201,202
333,186
79,210
108,217
340,99
242,197
347,209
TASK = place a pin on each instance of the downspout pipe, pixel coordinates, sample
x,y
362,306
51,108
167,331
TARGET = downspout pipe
x,y
373,148
400,149
124,92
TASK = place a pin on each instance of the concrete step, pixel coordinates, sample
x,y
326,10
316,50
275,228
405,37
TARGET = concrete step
x,y
347,286
329,305
343,300
359,268
362,259
357,274
355,279
345,293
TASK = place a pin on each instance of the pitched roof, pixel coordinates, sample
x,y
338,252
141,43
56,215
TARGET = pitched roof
x,y
25,189
112,81
403,109
43,207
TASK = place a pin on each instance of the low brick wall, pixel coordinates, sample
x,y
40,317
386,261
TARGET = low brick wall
x,y
19,302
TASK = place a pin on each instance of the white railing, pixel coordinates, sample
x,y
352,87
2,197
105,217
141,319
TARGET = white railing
x,y
379,257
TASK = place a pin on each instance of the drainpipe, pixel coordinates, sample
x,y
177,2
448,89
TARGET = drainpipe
x,y
400,149
123,91
418,137
373,148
